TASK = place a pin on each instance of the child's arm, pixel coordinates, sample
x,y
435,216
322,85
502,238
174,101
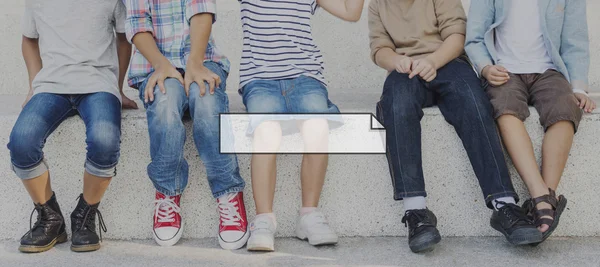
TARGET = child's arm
x,y
200,29
140,32
123,51
124,54
201,15
33,61
383,48
481,17
349,10
451,23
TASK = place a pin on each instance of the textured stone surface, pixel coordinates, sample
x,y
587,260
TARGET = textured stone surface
x,y
357,196
358,193
379,251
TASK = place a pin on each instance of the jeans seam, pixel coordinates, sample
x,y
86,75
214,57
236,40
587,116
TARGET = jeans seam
x,y
484,129
236,189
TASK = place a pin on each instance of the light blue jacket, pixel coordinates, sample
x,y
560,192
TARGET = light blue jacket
x,y
565,31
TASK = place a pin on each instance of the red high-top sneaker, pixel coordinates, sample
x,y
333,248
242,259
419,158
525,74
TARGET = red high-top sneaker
x,y
233,225
168,224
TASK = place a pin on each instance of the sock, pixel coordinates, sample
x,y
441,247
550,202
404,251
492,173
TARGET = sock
x,y
269,216
414,203
507,200
307,210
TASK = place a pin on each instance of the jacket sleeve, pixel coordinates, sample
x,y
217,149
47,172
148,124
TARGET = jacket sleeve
x,y
480,19
575,45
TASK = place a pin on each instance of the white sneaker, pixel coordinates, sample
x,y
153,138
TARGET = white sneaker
x,y
168,224
314,227
262,234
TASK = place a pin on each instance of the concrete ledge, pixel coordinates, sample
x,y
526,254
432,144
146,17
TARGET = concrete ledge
x,y
357,196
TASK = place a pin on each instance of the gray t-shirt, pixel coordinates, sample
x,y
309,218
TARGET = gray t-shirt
x,y
77,44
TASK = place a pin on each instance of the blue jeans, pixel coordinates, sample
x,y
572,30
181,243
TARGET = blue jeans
x,y
101,113
465,105
302,95
169,169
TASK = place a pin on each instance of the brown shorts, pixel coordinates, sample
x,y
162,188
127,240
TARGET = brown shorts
x,y
550,93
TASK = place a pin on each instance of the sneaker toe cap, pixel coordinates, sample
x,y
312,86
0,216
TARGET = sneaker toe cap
x,y
166,233
231,236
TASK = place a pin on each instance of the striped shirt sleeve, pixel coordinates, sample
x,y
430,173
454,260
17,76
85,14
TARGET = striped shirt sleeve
x,y
138,18
194,7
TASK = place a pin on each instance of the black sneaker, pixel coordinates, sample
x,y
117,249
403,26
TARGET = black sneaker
x,y
512,221
47,231
422,231
83,226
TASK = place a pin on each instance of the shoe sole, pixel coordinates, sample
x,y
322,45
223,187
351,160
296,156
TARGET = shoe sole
x,y
234,245
323,241
85,248
523,237
169,242
425,242
261,247
62,238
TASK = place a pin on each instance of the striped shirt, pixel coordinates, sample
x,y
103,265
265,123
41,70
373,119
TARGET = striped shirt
x,y
169,22
278,41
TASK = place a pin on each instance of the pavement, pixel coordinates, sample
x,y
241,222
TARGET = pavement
x,y
357,251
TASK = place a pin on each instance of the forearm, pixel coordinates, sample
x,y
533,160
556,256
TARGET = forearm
x,y
31,54
124,54
452,48
349,10
144,42
386,58
200,30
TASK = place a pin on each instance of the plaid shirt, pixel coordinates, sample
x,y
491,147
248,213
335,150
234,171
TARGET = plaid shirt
x,y
169,22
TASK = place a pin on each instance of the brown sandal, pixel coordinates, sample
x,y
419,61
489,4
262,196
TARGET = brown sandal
x,y
558,206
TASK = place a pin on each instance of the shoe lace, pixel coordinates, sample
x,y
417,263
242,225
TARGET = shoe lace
x,y
88,220
413,217
513,213
165,209
38,221
229,211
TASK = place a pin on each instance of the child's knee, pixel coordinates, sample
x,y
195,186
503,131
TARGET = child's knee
x,y
315,133
267,137
104,140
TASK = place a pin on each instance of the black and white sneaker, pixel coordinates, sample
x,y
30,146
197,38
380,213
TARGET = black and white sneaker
x,y
422,231
512,221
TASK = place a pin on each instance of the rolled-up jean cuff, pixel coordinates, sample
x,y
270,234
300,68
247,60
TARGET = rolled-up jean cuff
x,y
106,172
32,172
402,195
229,191
489,198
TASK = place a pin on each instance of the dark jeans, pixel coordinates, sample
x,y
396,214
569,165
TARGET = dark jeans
x,y
465,105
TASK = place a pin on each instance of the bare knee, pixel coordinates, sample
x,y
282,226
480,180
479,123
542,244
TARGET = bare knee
x,y
267,137
315,133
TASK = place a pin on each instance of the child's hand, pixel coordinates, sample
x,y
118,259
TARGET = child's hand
x,y
195,72
496,75
585,102
425,68
161,73
29,95
404,64
128,103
